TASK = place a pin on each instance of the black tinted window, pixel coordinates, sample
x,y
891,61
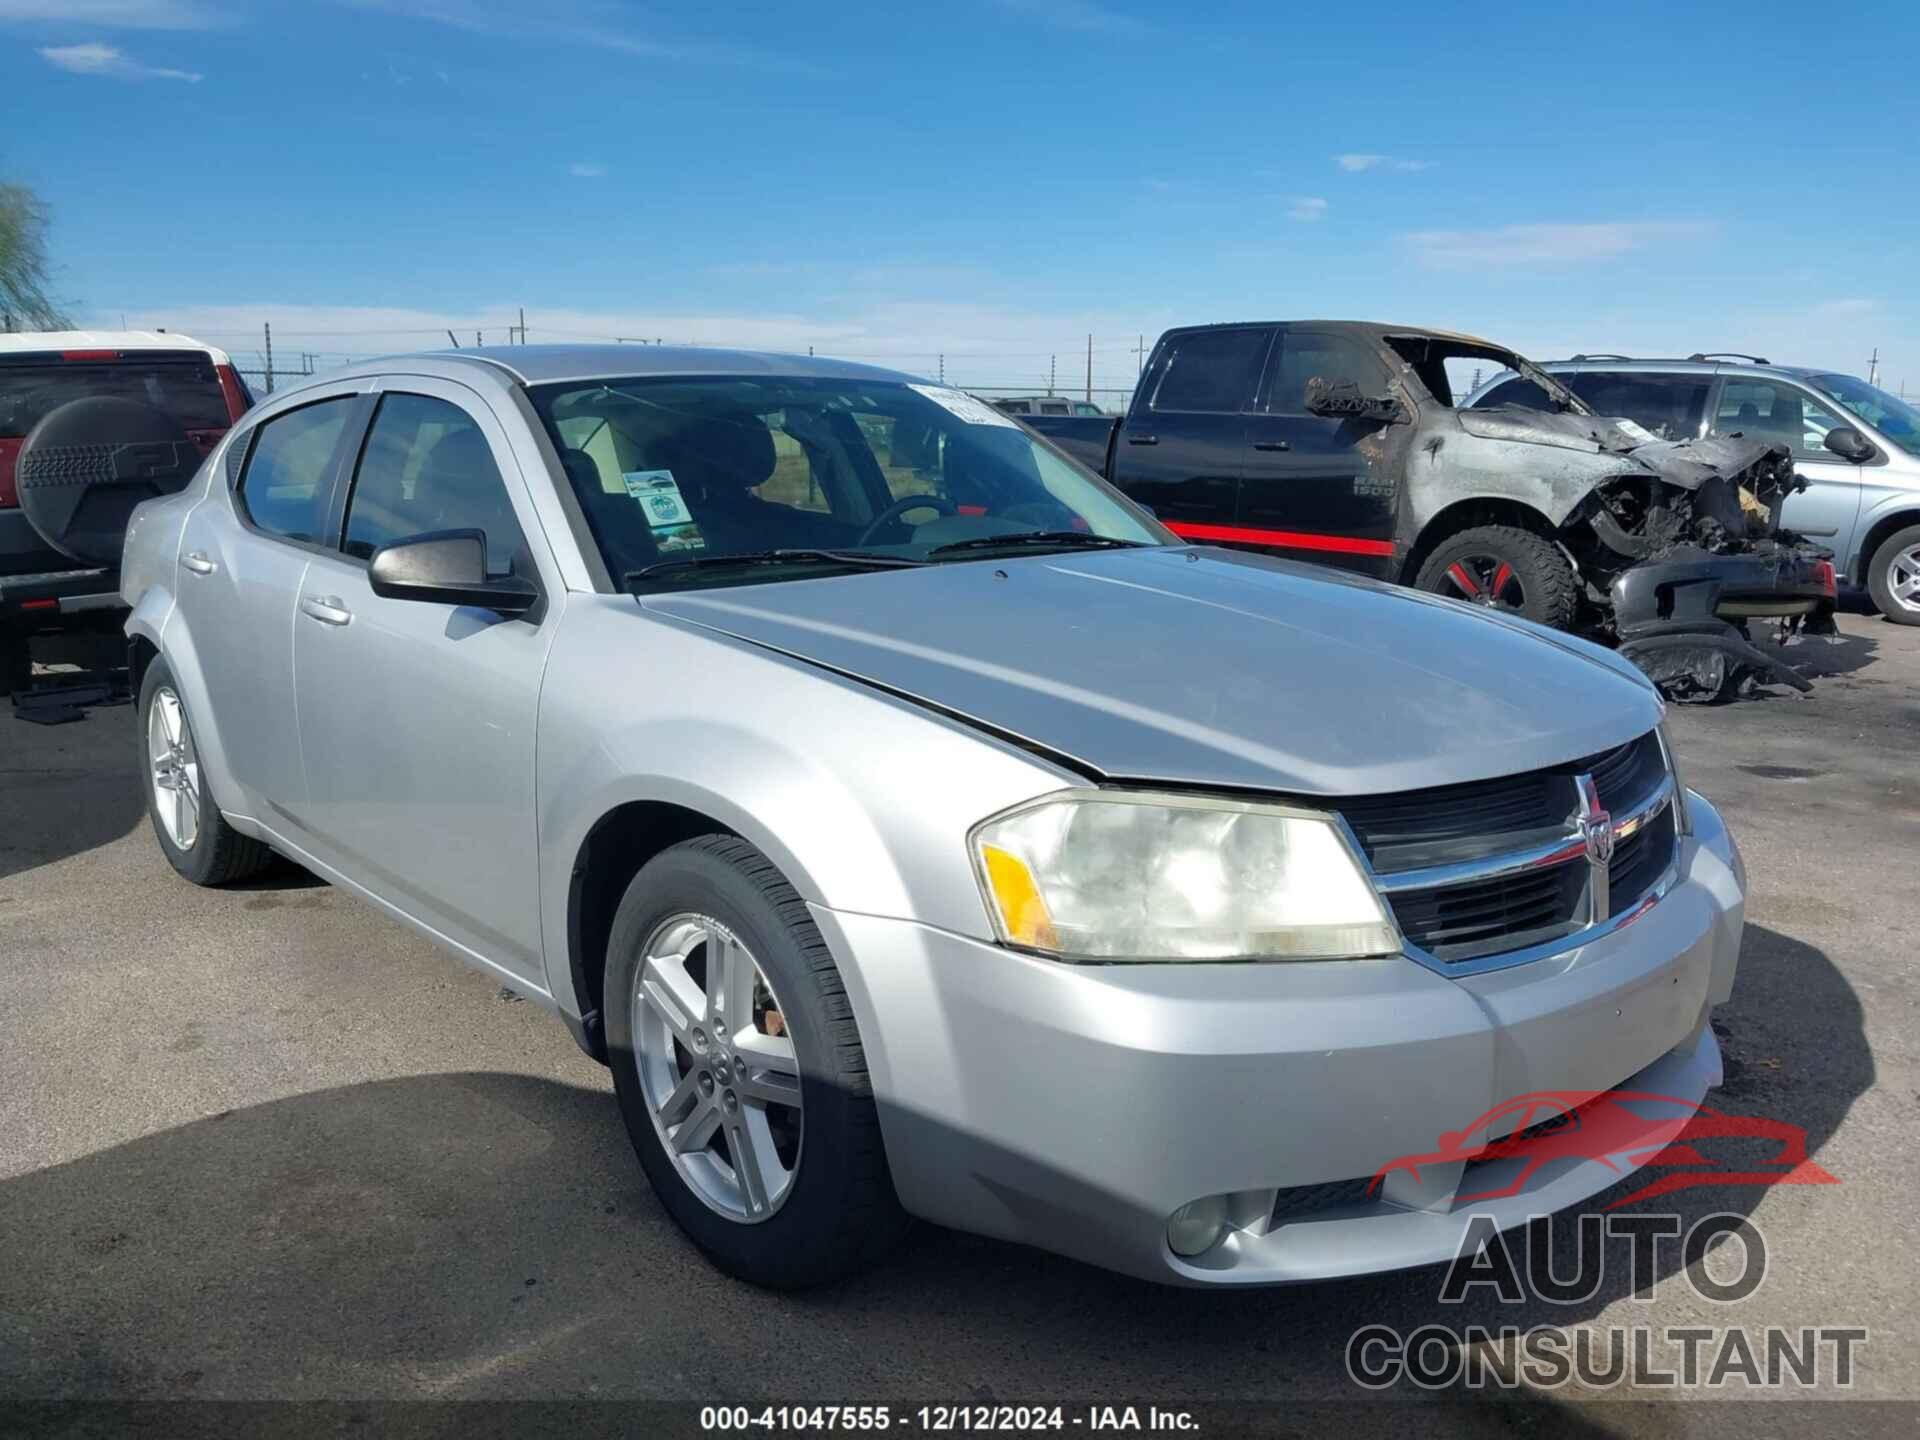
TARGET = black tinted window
x,y
188,392
1524,393
427,466
284,489
1671,406
1300,357
1211,370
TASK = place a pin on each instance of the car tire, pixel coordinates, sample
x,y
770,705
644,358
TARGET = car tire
x,y
193,834
1505,568
1899,552
834,1212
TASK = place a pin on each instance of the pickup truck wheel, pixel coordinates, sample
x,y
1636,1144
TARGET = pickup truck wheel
x,y
1505,568
193,834
739,1070
1893,576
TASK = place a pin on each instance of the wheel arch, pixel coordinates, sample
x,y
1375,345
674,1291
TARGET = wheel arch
x,y
1883,526
613,851
1467,514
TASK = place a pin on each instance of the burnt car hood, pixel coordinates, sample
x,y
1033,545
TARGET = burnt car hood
x,y
1686,463
1205,667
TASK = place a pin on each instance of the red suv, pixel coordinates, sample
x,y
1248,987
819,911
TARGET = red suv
x,y
91,424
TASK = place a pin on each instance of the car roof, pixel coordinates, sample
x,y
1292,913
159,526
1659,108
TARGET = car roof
x,y
1687,366
545,364
1368,329
59,341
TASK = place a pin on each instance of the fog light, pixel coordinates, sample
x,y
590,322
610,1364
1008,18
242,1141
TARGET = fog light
x,y
1197,1226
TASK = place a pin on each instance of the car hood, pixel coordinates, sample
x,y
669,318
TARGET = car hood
x,y
1686,463
1205,667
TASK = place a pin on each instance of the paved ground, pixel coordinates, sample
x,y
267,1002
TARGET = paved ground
x,y
264,1143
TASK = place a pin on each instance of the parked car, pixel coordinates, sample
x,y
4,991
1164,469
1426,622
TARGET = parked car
x,y
1043,405
1857,446
91,424
1340,442
921,828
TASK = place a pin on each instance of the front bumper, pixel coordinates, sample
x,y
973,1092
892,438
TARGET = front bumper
x,y
1077,1107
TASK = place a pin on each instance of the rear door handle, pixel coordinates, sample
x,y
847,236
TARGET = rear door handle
x,y
327,609
1271,445
198,563
1143,439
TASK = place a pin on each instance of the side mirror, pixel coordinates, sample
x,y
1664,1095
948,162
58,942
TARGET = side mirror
x,y
447,567
1850,445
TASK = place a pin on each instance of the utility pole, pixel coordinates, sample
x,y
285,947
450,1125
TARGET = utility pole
x,y
1053,365
477,342
1873,367
269,333
1139,356
523,324
943,369
1089,369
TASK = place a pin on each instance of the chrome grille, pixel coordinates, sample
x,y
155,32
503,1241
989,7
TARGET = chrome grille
x,y
1484,869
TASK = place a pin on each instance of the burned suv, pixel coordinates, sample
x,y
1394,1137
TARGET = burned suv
x,y
91,424
1348,444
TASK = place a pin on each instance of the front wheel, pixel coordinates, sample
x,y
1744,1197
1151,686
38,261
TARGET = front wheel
x,y
1505,568
739,1070
1893,576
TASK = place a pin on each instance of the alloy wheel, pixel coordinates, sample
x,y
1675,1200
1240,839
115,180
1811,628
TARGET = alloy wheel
x,y
1903,578
176,768
717,1067
1486,580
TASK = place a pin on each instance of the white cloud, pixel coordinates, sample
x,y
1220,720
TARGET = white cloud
x,y
97,59
1544,244
129,14
1307,207
1357,163
586,169
1082,15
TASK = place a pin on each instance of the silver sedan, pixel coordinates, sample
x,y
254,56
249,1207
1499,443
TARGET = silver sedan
x,y
914,825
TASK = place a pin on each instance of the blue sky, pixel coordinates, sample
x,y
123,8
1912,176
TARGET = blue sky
x,y
991,179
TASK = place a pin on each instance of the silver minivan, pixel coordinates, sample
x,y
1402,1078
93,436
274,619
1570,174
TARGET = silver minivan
x,y
1857,446
915,827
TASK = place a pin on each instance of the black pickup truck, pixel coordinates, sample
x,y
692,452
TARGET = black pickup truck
x,y
1340,442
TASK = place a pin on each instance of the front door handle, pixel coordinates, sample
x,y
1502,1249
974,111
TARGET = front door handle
x,y
1143,439
198,563
1271,445
327,609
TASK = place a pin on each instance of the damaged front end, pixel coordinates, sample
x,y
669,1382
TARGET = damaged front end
x,y
1692,550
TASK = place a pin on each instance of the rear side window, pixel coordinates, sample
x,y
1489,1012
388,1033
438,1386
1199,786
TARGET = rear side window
x,y
1517,391
1210,370
427,466
188,391
1299,357
1671,406
284,487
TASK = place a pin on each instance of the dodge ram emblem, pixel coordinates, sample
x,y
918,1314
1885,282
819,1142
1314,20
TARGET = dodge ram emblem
x,y
1597,832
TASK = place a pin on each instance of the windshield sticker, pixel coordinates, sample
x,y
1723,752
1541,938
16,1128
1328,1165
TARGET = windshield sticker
x,y
659,497
963,406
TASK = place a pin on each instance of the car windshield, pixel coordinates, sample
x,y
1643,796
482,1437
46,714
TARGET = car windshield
x,y
1889,414
737,480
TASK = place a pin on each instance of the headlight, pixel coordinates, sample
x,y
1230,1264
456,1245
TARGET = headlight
x,y
1107,875
1682,821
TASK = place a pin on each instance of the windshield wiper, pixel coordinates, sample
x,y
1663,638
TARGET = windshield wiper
x,y
748,559
1054,539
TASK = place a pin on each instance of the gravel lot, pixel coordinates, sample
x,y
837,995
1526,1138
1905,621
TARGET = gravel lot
x,y
264,1143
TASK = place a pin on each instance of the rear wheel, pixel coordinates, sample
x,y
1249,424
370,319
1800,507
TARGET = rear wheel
x,y
1893,576
1505,568
739,1070
193,834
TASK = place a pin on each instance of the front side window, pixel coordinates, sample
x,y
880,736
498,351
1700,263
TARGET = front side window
x,y
1893,417
673,470
1777,412
1300,357
426,466
284,489
1210,371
